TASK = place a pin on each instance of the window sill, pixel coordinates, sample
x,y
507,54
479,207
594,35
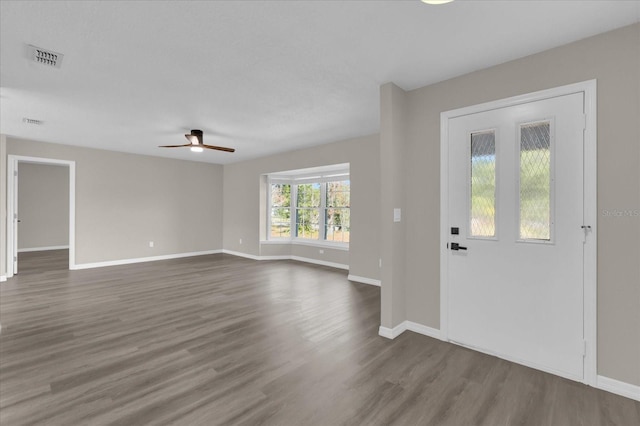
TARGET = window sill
x,y
301,242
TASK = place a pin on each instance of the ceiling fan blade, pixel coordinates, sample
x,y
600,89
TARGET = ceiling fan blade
x,y
219,148
173,146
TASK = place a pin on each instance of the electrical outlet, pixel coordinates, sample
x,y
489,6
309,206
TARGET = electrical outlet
x,y
321,251
151,244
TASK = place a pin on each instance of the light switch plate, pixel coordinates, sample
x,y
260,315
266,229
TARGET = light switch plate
x,y
397,215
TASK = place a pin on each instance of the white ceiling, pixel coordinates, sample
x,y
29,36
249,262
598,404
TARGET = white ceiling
x,y
262,77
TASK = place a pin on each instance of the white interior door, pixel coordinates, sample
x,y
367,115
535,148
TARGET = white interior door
x,y
515,203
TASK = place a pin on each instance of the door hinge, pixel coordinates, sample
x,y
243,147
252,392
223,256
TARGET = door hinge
x,y
584,348
584,121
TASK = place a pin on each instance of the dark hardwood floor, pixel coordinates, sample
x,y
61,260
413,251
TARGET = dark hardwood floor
x,y
224,340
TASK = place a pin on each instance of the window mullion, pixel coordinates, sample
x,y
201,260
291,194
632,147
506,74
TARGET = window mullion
x,y
269,209
293,205
322,213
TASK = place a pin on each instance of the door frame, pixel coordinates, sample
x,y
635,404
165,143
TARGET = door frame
x,y
12,199
588,88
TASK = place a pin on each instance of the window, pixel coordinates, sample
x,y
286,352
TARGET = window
x,y
483,184
311,204
280,210
308,211
337,212
535,181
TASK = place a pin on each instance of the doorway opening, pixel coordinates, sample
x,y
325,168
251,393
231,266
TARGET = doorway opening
x,y
31,247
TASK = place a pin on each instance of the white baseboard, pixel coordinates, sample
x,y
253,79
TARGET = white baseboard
x,y
275,257
364,280
287,257
619,388
240,254
24,250
320,262
143,259
423,329
392,333
3,278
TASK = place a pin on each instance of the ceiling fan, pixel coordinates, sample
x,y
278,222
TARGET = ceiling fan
x,y
196,144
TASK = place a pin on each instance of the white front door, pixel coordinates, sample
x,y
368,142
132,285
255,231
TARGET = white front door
x,y
515,203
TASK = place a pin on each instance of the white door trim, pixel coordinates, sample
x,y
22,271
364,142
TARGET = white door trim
x,y
590,207
12,166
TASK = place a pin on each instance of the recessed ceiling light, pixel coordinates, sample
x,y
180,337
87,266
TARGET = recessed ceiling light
x,y
436,1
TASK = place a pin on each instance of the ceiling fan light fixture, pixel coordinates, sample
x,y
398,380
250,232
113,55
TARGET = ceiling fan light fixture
x,y
436,1
196,143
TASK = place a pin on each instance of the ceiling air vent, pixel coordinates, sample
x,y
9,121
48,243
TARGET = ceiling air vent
x,y
32,121
45,57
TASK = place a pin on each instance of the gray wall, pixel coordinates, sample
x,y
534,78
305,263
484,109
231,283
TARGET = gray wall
x,y
614,60
123,201
43,205
242,210
394,179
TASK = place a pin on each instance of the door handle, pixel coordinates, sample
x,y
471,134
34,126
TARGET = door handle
x,y
456,247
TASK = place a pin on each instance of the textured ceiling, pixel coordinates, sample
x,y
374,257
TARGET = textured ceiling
x,y
262,77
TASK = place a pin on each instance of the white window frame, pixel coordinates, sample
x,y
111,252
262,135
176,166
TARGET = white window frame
x,y
307,176
495,236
